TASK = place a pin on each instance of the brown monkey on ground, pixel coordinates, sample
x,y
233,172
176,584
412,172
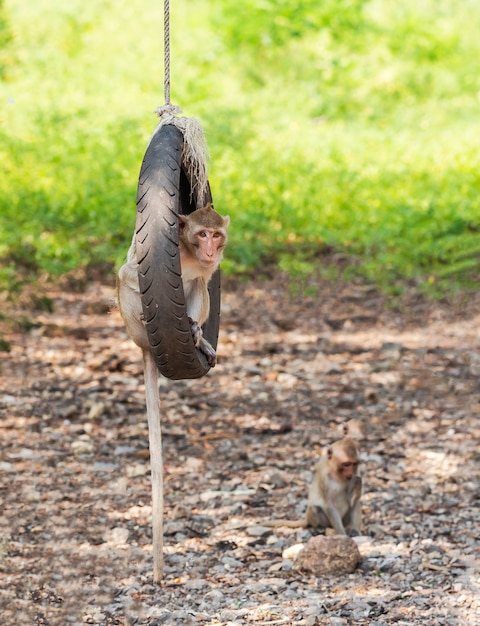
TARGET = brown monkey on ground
x,y
335,492
202,239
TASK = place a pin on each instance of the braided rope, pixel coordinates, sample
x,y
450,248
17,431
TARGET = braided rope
x,y
168,111
195,150
166,49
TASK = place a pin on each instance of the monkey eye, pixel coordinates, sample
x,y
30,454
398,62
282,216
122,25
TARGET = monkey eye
x,y
202,234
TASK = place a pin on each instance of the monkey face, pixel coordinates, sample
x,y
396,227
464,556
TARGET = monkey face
x,y
209,244
203,235
347,470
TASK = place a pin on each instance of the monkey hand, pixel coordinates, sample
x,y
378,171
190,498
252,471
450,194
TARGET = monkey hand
x,y
357,481
196,332
355,490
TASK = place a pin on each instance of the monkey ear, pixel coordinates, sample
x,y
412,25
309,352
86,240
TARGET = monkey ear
x,y
226,221
182,221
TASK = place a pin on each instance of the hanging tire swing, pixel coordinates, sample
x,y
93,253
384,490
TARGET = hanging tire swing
x,y
173,181
165,189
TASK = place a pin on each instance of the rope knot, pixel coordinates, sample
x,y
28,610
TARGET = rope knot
x,y
167,112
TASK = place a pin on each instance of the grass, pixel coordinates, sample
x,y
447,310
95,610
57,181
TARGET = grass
x,y
350,124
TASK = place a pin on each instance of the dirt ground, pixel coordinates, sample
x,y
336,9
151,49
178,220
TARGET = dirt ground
x,y
294,364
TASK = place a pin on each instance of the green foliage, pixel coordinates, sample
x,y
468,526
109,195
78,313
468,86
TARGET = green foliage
x,y
345,123
263,24
5,40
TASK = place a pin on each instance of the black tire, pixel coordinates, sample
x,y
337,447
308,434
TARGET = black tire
x,y
163,192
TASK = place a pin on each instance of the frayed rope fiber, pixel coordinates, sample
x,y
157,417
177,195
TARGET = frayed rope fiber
x,y
195,151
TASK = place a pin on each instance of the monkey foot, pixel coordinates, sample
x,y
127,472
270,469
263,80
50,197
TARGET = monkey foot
x,y
202,344
208,351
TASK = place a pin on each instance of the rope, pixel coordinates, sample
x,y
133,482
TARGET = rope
x,y
195,151
166,50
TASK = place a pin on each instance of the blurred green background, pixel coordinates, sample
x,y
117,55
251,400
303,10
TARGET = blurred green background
x,y
344,124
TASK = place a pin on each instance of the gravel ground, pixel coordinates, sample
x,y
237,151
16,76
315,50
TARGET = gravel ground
x,y
240,446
